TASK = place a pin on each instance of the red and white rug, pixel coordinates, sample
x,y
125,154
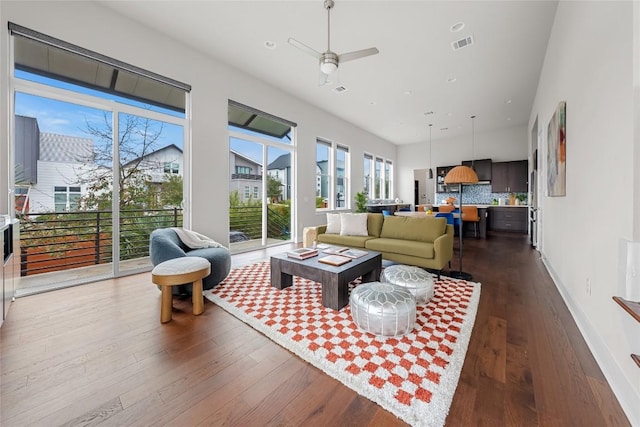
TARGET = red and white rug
x,y
413,377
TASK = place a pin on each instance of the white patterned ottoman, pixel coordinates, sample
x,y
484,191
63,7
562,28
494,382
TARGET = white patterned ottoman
x,y
415,279
383,309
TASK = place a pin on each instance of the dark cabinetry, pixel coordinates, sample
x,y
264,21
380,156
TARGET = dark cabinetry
x,y
509,177
508,219
441,187
482,168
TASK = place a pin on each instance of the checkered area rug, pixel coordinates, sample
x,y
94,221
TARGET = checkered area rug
x,y
413,377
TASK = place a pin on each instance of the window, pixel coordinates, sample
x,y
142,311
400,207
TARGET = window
x,y
378,177
388,174
342,177
172,167
323,154
247,193
332,175
243,170
66,198
368,174
255,192
378,180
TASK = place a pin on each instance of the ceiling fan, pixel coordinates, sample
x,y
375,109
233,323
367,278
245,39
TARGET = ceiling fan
x,y
329,60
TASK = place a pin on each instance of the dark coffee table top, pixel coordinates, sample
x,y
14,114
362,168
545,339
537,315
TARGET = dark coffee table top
x,y
313,261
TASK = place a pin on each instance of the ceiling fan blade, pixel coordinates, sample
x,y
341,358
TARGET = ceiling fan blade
x,y
350,56
303,47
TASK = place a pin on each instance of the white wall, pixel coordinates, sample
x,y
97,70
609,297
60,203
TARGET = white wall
x,y
499,146
94,27
589,64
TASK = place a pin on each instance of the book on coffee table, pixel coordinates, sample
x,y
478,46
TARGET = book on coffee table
x,y
335,260
302,253
335,250
353,253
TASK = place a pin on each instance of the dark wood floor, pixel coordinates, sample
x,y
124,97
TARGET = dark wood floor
x,y
97,354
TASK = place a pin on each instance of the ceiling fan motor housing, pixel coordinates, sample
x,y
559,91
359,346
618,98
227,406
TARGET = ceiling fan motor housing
x,y
328,62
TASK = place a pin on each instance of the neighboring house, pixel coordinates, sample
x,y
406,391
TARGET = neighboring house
x,y
246,176
280,169
49,167
159,163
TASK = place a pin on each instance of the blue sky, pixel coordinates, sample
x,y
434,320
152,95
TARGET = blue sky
x,y
71,119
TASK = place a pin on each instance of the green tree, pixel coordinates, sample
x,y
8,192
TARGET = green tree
x,y
274,189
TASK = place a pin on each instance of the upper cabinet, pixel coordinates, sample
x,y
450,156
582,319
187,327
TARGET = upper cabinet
x,y
510,177
441,187
482,168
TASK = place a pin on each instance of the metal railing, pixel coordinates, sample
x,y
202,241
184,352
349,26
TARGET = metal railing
x,y
66,240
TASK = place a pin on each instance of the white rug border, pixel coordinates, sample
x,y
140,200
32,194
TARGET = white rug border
x,y
448,382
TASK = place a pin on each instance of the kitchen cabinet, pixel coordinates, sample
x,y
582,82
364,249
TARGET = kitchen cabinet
x,y
441,187
510,177
482,168
508,219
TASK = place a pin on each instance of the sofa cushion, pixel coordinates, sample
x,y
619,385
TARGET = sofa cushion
x,y
403,247
336,239
353,224
408,228
374,224
333,223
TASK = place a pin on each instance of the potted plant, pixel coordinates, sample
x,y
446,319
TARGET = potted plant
x,y
361,201
521,198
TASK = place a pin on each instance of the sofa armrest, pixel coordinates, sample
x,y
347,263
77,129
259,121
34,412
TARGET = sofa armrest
x,y
443,247
309,234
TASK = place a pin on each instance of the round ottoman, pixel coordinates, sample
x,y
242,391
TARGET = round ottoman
x,y
383,309
415,279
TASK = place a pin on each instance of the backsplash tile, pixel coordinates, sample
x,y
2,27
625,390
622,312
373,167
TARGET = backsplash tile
x,y
477,193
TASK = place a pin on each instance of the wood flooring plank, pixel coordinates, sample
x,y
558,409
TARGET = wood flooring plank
x,y
97,354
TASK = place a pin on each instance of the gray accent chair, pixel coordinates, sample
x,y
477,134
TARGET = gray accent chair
x,y
164,244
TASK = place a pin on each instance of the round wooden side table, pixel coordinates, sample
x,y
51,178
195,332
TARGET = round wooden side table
x,y
179,271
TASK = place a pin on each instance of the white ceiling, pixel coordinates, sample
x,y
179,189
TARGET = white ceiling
x,y
389,93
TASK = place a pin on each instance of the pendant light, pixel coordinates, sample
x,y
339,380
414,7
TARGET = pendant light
x,y
430,169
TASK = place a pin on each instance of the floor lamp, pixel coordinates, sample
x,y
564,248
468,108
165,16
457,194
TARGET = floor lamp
x,y
461,175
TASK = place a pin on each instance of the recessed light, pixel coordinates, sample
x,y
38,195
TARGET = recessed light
x,y
451,80
449,114
508,101
270,44
457,27
428,113
407,92
373,103
508,118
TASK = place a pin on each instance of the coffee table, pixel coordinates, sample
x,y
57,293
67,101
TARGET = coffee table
x,y
334,279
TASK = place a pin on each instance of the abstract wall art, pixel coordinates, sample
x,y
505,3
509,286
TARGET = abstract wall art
x,y
557,153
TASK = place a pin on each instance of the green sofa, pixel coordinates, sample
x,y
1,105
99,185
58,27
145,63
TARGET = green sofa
x,y
424,242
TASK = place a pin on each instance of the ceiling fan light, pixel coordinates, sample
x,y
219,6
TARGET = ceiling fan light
x,y
328,67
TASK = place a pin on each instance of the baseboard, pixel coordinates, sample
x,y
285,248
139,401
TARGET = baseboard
x,y
624,391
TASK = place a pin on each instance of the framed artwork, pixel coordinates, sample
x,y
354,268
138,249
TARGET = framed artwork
x,y
557,153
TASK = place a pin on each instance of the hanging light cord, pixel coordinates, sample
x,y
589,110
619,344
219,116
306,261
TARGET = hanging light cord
x,y
473,142
430,145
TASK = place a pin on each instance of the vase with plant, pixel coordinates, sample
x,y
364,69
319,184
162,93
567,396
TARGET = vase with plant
x,y
361,201
521,198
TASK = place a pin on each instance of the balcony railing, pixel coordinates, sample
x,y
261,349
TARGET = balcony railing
x,y
66,240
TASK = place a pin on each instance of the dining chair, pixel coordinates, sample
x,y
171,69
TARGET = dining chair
x,y
446,208
470,214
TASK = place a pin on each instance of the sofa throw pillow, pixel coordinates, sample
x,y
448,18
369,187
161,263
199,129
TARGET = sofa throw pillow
x,y
353,224
333,223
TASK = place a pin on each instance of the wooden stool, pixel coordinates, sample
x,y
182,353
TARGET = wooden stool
x,y
179,271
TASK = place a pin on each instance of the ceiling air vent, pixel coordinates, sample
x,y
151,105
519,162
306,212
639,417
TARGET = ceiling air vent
x,y
339,89
459,44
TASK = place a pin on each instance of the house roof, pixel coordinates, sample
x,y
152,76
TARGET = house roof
x,y
282,162
65,149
